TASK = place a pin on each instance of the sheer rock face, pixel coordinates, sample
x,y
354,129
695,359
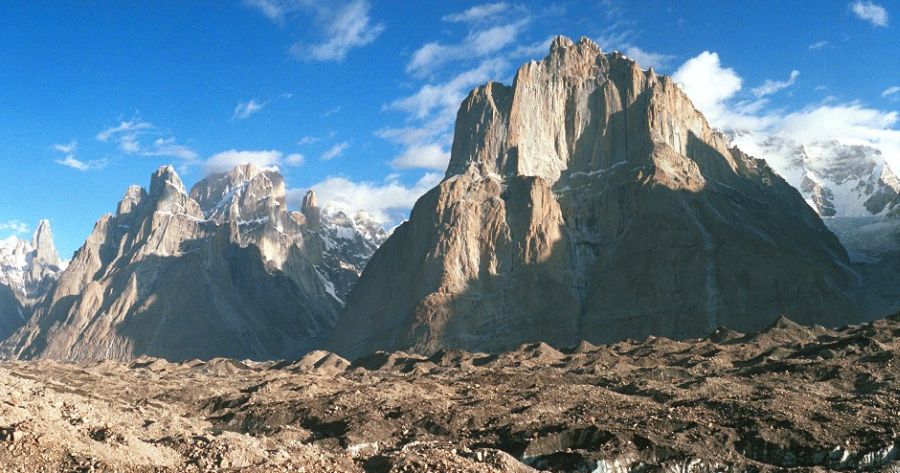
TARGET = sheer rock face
x,y
591,200
27,272
221,271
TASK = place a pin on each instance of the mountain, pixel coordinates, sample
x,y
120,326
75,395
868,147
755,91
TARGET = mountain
x,y
591,200
852,187
27,271
222,270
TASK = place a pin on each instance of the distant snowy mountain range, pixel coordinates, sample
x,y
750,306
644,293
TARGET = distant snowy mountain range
x,y
852,187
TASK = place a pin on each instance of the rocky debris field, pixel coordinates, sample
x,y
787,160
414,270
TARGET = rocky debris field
x,y
790,397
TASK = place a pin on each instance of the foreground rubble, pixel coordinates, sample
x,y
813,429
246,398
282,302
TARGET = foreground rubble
x,y
790,397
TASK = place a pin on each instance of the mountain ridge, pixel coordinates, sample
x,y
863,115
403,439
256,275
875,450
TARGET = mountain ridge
x,y
222,270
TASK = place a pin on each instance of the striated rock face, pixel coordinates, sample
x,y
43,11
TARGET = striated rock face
x,y
27,272
224,270
591,200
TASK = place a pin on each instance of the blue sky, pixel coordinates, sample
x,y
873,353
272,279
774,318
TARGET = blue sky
x,y
356,98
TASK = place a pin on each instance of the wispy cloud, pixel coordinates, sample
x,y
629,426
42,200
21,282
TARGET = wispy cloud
x,y
69,159
871,12
648,58
246,109
308,140
892,93
67,148
335,151
17,227
342,25
227,160
331,111
130,136
477,13
818,45
478,43
770,86
124,128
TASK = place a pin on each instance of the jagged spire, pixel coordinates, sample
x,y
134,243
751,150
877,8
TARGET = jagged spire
x,y
44,248
163,177
310,201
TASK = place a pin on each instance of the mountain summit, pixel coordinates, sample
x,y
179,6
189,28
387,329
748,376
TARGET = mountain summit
x,y
222,270
591,200
27,272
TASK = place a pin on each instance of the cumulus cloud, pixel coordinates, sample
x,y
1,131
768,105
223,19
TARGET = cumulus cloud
x,y
871,12
429,156
246,109
770,86
708,84
227,160
387,202
17,227
335,151
850,123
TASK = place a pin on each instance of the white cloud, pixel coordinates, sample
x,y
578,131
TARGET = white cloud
x,y
341,25
308,140
648,58
246,109
708,84
849,123
275,10
770,86
294,159
227,160
477,13
124,128
818,45
871,12
429,156
331,111
69,160
533,50
892,92
335,151
345,27
128,134
67,148
387,202
17,227
477,44
433,110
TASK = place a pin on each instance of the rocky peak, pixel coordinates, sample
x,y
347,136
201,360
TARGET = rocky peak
x,y
310,209
247,193
132,199
168,195
44,249
577,202
164,179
